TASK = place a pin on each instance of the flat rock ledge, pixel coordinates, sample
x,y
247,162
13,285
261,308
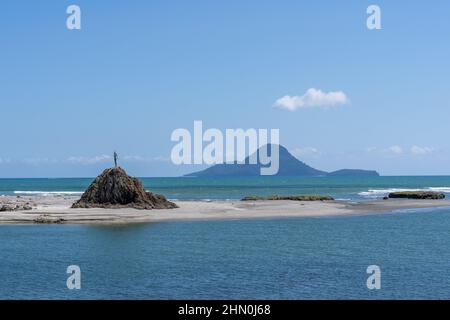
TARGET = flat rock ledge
x,y
292,198
48,219
423,195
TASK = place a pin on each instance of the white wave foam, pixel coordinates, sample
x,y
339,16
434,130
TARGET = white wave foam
x,y
440,189
48,193
376,193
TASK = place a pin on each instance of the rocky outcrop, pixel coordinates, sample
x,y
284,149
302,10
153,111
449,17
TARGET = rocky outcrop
x,y
293,198
416,195
114,188
17,204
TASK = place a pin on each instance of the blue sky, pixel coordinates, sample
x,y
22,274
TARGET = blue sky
x,y
137,70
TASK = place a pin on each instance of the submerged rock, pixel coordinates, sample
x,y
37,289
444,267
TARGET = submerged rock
x,y
417,195
114,188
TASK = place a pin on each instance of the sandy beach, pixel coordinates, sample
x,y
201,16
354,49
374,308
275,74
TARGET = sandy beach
x,y
56,209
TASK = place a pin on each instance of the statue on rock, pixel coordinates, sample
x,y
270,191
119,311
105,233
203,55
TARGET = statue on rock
x,y
114,188
116,157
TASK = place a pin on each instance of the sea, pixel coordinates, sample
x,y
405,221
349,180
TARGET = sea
x,y
289,258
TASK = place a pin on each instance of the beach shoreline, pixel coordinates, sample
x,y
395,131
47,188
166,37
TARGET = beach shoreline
x,y
56,209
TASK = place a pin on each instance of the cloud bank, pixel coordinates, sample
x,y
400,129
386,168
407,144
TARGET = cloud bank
x,y
420,151
398,150
89,160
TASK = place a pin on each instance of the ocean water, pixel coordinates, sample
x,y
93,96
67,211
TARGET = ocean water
x,y
297,258
353,188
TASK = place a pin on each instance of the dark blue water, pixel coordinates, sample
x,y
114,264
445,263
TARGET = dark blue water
x,y
302,258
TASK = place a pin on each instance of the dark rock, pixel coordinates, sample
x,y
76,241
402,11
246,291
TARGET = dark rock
x,y
14,207
417,195
5,207
386,198
114,188
293,198
45,219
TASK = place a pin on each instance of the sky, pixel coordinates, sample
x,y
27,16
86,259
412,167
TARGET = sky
x,y
342,96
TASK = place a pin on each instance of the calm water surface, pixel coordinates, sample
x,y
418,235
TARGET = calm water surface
x,y
302,258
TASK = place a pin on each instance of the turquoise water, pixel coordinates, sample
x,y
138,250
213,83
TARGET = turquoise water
x,y
301,258
236,188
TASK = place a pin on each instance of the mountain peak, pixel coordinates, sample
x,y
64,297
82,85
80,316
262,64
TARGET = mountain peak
x,y
288,166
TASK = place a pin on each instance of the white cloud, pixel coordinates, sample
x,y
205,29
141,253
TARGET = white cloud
x,y
393,150
397,150
84,160
89,160
134,158
421,150
107,158
39,161
305,152
312,98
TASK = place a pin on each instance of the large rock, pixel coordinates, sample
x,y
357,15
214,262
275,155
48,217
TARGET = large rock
x,y
114,188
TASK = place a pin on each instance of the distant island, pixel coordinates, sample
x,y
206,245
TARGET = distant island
x,y
289,166
353,172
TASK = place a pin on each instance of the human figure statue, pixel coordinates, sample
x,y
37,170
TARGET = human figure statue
x,y
115,159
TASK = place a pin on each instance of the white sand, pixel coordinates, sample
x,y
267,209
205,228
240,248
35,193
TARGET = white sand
x,y
54,208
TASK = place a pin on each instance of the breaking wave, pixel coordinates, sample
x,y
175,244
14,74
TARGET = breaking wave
x,y
48,193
